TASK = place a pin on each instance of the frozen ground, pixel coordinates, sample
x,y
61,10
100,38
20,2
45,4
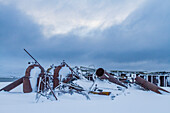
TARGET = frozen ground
x,y
131,101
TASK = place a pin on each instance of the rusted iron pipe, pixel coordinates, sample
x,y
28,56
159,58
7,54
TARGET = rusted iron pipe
x,y
147,85
26,82
13,85
102,74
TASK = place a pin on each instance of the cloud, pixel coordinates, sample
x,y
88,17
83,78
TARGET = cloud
x,y
139,41
17,31
81,17
142,37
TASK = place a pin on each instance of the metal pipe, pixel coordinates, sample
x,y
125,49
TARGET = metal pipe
x,y
13,85
148,85
26,82
102,74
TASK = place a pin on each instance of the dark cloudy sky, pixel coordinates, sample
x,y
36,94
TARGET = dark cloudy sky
x,y
113,34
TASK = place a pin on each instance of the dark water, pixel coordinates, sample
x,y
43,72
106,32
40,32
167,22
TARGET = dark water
x,y
7,79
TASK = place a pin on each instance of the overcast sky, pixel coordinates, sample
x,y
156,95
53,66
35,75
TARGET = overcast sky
x,y
113,34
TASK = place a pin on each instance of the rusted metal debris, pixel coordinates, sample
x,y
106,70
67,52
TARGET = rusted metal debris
x,y
101,73
26,82
48,84
100,93
12,85
149,86
54,83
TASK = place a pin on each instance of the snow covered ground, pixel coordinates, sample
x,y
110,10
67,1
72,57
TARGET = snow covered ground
x,y
131,101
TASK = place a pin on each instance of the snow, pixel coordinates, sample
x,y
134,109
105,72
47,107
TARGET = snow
x,y
132,100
